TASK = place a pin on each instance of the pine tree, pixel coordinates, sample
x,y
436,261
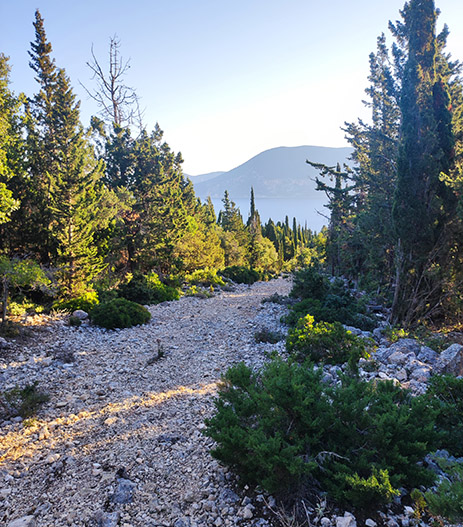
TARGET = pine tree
x,y
66,199
78,200
234,238
42,149
11,149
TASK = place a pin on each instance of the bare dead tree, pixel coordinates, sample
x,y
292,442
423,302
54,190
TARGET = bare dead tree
x,y
119,103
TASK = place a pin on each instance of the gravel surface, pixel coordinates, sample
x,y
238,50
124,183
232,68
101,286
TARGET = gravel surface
x,y
120,441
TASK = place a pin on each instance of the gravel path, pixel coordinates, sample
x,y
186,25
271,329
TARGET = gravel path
x,y
120,441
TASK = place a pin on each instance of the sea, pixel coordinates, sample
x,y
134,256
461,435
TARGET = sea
x,y
310,213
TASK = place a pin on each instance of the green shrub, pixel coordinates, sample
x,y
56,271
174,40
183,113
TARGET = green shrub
x,y
204,277
193,290
325,342
310,283
119,313
268,336
75,322
241,274
447,500
447,392
327,301
147,290
22,307
284,429
22,401
277,299
377,488
87,301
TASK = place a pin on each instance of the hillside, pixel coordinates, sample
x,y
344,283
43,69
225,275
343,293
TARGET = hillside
x,y
276,173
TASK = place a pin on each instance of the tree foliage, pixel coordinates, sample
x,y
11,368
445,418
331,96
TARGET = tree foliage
x,y
402,210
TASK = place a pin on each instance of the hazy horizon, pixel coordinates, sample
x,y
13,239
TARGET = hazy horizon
x,y
224,81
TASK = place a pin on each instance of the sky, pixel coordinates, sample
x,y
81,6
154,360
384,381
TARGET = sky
x,y
224,79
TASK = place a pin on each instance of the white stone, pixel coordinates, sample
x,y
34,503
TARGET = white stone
x,y
348,520
247,513
401,375
25,521
451,360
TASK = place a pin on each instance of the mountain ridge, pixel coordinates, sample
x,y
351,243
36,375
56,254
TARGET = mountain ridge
x,y
280,172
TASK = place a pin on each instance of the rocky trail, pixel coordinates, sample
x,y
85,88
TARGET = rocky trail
x,y
120,440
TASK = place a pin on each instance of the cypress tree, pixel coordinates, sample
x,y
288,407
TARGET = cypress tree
x,y
423,203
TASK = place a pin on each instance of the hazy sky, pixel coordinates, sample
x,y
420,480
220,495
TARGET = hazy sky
x,y
224,79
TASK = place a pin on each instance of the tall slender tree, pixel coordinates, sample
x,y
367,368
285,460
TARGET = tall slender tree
x,y
423,204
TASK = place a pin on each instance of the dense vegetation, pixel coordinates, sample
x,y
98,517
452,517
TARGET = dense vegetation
x,y
396,222
108,207
287,430
395,229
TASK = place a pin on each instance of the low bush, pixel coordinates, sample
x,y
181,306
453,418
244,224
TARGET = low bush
x,y
87,301
204,277
147,290
119,313
22,401
310,283
327,301
20,308
447,392
376,488
268,336
325,342
200,292
447,500
75,322
241,274
277,299
284,429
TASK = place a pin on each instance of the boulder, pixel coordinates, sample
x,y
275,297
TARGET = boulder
x,y
450,361
348,520
80,313
398,358
405,346
106,519
25,521
401,375
124,491
428,355
421,374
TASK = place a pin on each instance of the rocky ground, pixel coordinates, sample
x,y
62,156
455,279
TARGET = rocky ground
x,y
120,440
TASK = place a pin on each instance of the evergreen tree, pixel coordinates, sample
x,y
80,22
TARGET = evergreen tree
x,y
65,197
424,205
42,150
234,238
11,149
375,145
340,204
79,202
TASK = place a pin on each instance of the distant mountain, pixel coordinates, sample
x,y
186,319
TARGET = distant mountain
x,y
204,177
276,173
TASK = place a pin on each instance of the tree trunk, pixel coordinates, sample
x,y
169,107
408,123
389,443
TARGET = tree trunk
x,y
4,300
